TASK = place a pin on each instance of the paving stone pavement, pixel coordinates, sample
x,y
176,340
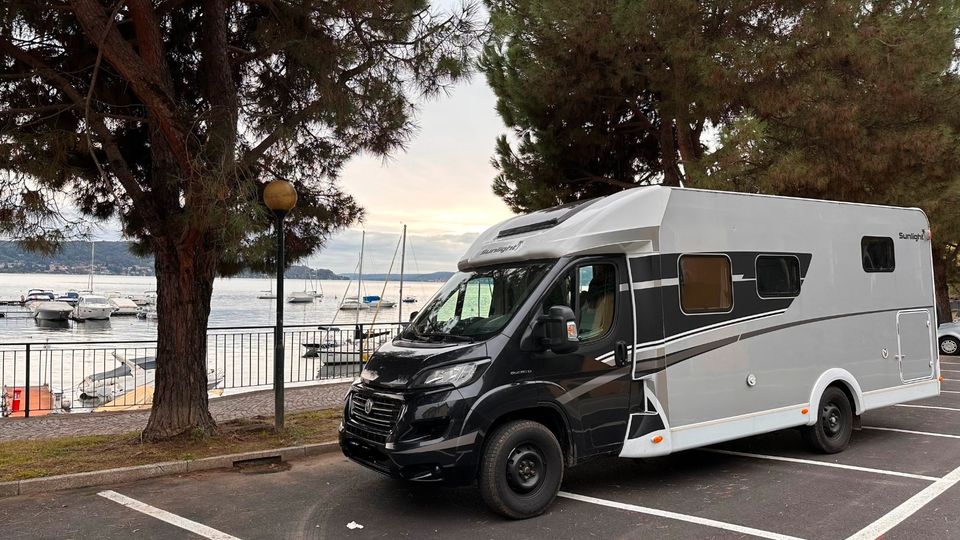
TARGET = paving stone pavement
x,y
246,405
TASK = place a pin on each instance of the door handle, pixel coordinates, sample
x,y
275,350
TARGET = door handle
x,y
620,353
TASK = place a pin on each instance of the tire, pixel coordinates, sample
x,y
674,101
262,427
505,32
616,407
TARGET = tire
x,y
521,469
949,345
834,427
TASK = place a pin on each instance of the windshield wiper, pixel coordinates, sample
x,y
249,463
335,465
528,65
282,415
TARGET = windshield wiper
x,y
447,337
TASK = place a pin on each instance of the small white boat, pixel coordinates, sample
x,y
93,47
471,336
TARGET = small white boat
x,y
373,301
70,297
147,313
124,306
35,296
92,308
266,295
353,305
51,311
148,298
300,297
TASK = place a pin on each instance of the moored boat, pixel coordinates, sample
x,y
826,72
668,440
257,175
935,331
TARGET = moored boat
x,y
300,297
124,306
92,308
353,305
51,310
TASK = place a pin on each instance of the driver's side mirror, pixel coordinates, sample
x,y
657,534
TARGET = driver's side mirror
x,y
414,315
559,330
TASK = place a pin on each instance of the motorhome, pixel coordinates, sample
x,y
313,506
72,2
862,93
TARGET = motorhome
x,y
644,323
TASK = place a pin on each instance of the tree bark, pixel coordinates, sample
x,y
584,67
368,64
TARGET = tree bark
x,y
668,153
940,283
185,276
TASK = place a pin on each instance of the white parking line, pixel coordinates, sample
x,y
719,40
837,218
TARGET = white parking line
x,y
950,370
928,407
163,515
821,463
680,517
909,507
944,435
950,391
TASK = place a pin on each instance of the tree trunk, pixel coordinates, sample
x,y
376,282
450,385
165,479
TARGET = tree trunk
x,y
668,154
184,286
941,286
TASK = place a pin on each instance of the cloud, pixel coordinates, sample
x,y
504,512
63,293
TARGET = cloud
x,y
425,252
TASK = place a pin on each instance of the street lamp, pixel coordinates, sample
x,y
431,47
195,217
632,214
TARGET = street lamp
x,y
280,197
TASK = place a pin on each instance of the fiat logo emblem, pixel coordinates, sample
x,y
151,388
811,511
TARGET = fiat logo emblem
x,y
368,406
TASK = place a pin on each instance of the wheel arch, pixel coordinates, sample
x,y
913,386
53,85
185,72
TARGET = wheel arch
x,y
550,415
842,379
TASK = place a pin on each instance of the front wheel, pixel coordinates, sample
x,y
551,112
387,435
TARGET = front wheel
x,y
834,427
949,345
521,469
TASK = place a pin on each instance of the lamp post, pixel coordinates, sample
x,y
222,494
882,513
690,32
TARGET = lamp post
x,y
280,197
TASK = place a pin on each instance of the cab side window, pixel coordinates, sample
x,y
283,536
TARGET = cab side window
x,y
591,292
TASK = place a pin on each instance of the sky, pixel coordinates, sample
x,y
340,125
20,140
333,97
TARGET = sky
x,y
439,186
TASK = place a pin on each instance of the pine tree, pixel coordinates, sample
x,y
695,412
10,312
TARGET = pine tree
x,y
171,115
846,100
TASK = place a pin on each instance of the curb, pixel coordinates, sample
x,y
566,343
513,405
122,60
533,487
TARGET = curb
x,y
153,470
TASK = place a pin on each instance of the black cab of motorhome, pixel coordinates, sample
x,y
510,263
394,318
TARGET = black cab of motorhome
x,y
508,374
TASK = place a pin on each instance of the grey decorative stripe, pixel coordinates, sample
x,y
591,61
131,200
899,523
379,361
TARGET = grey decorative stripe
x,y
821,319
662,362
469,438
596,382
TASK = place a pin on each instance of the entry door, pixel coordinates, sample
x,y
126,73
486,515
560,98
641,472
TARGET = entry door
x,y
596,377
913,337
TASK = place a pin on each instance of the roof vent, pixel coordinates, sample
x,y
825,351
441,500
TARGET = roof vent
x,y
545,219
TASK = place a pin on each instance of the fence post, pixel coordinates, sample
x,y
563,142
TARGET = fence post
x,y
363,335
26,409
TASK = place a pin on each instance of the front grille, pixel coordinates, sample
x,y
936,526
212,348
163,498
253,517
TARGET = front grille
x,y
383,416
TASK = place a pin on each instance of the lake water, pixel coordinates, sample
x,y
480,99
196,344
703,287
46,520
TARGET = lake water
x,y
234,303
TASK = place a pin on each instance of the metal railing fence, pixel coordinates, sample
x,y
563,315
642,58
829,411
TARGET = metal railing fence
x,y
78,376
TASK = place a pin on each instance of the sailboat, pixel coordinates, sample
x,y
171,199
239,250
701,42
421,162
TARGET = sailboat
x,y
357,305
267,295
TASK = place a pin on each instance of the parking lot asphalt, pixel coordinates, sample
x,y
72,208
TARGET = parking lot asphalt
x,y
898,478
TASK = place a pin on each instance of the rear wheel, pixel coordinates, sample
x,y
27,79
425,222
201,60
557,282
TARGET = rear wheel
x,y
949,345
521,469
831,433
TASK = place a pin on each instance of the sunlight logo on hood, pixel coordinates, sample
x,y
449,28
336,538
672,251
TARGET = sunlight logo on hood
x,y
501,249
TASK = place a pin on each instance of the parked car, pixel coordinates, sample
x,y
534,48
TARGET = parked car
x,y
948,335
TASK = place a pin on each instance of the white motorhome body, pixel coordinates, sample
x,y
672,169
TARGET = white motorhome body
x,y
844,297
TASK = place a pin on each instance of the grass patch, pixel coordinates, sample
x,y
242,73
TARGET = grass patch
x,y
20,460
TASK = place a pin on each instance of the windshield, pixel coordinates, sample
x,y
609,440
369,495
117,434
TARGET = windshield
x,y
475,305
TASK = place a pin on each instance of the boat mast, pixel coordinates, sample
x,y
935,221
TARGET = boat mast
x,y
403,253
363,236
93,247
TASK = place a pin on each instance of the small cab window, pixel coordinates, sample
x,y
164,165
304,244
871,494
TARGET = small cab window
x,y
877,254
778,276
591,292
706,284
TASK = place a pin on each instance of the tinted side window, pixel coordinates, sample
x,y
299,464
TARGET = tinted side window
x,y
597,285
706,284
877,254
591,292
778,276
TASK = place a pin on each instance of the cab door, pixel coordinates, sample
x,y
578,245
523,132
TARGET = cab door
x,y
596,377
914,341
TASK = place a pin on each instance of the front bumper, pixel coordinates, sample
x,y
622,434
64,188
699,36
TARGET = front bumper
x,y
422,444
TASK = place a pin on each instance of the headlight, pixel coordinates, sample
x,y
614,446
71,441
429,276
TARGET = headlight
x,y
368,375
455,375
